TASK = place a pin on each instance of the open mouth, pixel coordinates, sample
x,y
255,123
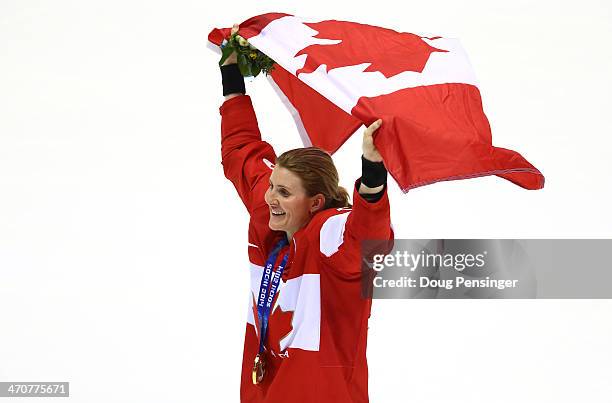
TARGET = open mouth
x,y
277,213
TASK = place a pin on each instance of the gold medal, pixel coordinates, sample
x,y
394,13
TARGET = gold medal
x,y
259,369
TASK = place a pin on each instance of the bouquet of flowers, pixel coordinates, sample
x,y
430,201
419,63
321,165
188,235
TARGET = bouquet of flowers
x,y
251,61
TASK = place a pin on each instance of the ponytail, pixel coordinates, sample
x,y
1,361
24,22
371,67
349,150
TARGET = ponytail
x,y
339,199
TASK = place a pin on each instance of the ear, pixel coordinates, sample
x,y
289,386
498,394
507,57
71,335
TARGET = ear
x,y
318,201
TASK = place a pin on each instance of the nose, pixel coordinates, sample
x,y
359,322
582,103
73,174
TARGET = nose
x,y
270,198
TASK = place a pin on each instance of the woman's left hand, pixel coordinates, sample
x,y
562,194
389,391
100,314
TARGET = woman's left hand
x,y
369,149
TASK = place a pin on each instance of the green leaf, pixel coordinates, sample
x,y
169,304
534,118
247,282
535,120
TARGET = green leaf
x,y
244,66
255,70
225,53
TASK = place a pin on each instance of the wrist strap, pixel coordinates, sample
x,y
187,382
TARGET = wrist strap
x,y
232,80
373,174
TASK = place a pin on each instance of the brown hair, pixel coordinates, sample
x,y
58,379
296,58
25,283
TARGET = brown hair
x,y
318,174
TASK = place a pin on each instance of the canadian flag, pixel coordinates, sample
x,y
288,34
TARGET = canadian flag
x,y
335,76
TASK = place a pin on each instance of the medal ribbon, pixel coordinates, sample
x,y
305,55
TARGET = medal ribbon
x,y
268,288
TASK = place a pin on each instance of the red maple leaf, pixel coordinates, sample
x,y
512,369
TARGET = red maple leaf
x,y
388,51
279,325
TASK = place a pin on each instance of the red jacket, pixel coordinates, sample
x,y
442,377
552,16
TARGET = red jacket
x,y
316,345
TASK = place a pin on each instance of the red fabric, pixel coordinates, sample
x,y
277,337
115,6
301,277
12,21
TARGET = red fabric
x,y
447,137
334,371
430,133
248,28
311,107
389,51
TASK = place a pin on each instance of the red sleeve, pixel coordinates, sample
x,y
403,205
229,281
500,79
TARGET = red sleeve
x,y
245,157
341,237
369,220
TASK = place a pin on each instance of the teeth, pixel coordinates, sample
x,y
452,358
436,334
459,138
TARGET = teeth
x,y
277,213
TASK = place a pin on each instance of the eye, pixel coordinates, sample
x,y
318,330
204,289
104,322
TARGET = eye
x,y
284,193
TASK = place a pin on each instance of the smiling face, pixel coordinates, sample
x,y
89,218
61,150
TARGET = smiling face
x,y
290,206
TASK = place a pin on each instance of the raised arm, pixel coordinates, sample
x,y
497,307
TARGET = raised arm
x,y
246,159
370,218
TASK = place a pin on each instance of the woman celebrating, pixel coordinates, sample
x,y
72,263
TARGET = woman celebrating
x,y
307,323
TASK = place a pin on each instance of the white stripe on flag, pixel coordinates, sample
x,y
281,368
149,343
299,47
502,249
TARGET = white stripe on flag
x,y
296,115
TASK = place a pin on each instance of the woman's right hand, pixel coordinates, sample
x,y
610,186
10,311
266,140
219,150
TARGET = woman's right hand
x,y
232,59
370,152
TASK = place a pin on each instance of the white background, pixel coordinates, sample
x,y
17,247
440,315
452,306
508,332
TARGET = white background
x,y
123,265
